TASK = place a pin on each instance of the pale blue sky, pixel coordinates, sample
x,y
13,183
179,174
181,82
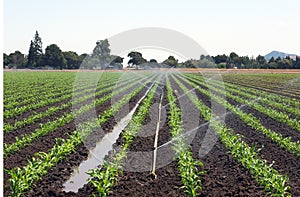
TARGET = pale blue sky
x,y
249,27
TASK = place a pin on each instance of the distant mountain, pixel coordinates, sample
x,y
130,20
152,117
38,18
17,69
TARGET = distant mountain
x,y
277,54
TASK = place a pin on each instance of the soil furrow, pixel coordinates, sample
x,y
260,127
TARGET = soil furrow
x,y
52,183
224,175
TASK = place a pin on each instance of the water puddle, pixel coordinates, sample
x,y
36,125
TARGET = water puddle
x,y
96,156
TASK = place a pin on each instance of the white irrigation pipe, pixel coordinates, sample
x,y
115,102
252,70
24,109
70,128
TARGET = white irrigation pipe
x,y
156,136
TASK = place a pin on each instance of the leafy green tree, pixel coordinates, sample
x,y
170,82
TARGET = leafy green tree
x,y
180,65
35,51
233,55
220,59
232,60
170,62
272,65
18,59
285,64
153,63
82,56
89,62
102,48
297,62
101,53
245,61
136,59
117,62
221,65
237,61
73,59
54,57
261,60
189,64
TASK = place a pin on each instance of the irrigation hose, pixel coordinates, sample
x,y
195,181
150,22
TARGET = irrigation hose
x,y
156,137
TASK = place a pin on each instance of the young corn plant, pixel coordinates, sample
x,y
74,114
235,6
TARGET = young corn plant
x,y
274,98
251,120
51,126
190,176
22,178
105,178
271,179
52,110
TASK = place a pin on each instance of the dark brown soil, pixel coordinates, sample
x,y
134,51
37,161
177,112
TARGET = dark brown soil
x,y
26,114
285,162
10,136
270,89
45,143
292,116
223,176
284,129
168,181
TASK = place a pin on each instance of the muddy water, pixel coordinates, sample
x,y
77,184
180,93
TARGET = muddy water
x,y
96,156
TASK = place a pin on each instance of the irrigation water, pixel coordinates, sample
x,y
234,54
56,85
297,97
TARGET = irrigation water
x,y
96,156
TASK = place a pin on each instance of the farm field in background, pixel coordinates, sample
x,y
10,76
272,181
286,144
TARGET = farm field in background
x,y
253,120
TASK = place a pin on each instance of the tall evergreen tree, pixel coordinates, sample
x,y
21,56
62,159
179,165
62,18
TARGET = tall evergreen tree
x,y
6,60
35,51
31,55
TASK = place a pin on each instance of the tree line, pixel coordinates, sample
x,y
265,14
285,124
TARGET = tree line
x,y
235,61
52,58
55,58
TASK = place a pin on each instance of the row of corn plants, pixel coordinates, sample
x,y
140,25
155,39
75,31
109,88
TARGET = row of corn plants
x,y
252,121
53,125
272,100
190,176
21,179
52,110
35,97
34,105
16,85
274,114
276,98
265,175
104,179
50,97
41,103
265,87
48,93
264,100
270,89
14,82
